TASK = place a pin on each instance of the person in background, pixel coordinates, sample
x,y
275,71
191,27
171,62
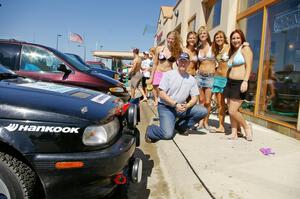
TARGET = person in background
x,y
146,68
191,49
135,74
220,49
174,89
239,70
149,85
205,74
164,58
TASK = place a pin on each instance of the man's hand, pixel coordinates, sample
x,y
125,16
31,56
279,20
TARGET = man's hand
x,y
181,107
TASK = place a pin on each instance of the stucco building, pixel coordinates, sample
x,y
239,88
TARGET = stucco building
x,y
272,27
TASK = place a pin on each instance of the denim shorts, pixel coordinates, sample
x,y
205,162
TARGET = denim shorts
x,y
205,81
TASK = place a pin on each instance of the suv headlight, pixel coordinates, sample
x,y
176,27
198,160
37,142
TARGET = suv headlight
x,y
116,89
97,135
116,76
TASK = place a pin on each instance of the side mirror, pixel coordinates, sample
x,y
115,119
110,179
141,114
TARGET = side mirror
x,y
64,69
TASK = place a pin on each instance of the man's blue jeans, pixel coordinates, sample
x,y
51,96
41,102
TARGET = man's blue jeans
x,y
167,118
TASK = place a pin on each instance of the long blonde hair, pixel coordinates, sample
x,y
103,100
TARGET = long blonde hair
x,y
176,48
203,29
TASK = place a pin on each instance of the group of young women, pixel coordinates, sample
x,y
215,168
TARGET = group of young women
x,y
220,68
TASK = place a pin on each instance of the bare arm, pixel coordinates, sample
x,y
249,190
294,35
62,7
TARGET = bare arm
x,y
163,95
192,102
155,63
248,55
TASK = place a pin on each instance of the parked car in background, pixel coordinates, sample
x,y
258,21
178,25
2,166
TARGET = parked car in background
x,y
104,70
97,64
61,142
287,92
47,64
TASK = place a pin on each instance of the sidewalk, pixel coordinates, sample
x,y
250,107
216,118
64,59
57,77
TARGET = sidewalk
x,y
237,168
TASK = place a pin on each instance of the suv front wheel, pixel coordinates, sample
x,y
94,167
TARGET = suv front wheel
x,y
17,179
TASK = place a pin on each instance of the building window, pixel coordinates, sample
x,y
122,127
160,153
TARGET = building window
x,y
192,24
212,12
245,4
280,91
253,37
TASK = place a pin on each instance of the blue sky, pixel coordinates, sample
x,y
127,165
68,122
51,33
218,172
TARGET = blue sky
x,y
116,24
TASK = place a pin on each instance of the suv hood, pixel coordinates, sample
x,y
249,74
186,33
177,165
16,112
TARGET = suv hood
x,y
41,101
105,78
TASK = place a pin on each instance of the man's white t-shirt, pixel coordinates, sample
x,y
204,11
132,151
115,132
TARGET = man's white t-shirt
x,y
146,64
178,86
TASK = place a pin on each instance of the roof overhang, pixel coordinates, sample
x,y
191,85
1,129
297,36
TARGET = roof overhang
x,y
115,54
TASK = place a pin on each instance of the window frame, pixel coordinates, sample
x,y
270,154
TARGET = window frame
x,y
208,6
192,20
263,5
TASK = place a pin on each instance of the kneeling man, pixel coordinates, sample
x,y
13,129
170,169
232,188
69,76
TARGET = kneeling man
x,y
174,89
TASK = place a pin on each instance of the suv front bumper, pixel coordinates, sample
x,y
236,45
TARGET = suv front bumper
x,y
94,179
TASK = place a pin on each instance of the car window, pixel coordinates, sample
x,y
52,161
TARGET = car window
x,y
295,77
9,55
71,61
38,59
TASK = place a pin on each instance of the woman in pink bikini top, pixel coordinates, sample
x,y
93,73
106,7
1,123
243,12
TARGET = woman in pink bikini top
x,y
164,58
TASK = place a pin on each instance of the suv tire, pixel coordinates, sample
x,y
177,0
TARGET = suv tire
x,y
16,178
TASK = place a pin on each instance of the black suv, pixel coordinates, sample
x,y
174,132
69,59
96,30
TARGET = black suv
x,y
47,64
59,141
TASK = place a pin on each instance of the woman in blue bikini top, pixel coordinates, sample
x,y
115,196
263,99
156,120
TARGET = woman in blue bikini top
x,y
240,63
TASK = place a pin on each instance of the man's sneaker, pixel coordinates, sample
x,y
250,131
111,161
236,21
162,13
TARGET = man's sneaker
x,y
184,133
148,140
201,130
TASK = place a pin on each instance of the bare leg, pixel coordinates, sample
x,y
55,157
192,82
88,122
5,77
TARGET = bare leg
x,y
155,95
143,93
221,112
234,105
132,92
201,101
233,122
207,104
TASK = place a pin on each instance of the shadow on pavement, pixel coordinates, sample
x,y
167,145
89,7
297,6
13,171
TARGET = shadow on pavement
x,y
140,191
215,123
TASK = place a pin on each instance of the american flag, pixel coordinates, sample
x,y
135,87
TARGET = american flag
x,y
75,37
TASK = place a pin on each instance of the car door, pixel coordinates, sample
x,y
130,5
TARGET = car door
x,y
41,64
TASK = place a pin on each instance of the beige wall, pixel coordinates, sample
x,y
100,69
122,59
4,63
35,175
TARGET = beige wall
x,y
188,8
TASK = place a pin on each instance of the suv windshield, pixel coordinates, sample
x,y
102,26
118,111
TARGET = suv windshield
x,y
71,61
76,58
